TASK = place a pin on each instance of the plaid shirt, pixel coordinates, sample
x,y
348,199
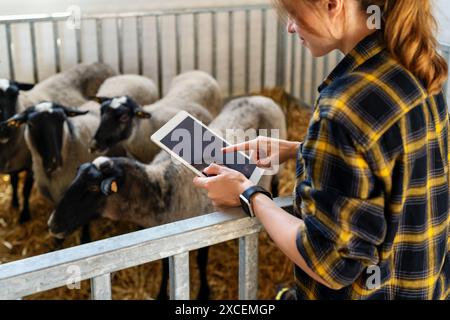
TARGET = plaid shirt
x,y
373,184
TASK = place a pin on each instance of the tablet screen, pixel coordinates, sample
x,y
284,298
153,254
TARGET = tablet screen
x,y
200,147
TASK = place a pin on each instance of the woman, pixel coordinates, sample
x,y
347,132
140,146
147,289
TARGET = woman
x,y
373,188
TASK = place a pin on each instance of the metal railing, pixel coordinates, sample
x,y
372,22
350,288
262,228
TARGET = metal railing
x,y
263,63
161,29
97,260
151,43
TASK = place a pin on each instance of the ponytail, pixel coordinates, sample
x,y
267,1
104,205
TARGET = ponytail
x,y
410,37
409,33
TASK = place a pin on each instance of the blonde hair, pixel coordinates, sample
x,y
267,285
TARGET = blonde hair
x,y
409,29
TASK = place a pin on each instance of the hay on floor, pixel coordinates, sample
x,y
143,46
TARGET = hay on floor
x,y
21,241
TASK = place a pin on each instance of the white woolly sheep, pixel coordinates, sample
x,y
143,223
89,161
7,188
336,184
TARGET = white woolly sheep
x,y
120,123
142,89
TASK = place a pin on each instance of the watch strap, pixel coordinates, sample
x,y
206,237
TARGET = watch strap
x,y
247,196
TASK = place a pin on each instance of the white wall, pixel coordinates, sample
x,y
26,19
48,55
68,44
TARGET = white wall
x,y
443,17
8,7
101,6
22,55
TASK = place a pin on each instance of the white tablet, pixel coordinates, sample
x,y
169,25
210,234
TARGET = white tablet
x,y
196,146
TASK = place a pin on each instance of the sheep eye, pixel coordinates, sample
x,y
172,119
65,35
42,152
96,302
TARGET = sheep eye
x,y
124,118
94,188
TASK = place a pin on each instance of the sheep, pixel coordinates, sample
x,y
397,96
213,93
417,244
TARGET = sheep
x,y
70,88
142,89
160,192
57,136
120,123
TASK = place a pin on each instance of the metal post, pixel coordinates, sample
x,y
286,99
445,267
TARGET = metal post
x,y
214,44
248,267
179,276
178,43
247,51
263,47
159,54
79,45
230,54
56,46
196,42
293,62
101,287
303,75
313,80
447,58
99,27
281,54
9,45
119,32
140,40
34,52
326,66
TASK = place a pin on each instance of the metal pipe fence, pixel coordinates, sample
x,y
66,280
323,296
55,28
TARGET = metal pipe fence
x,y
96,261
232,43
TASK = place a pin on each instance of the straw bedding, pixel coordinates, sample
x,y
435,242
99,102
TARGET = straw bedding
x,y
18,242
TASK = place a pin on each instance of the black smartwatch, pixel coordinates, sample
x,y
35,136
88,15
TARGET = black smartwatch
x,y
247,195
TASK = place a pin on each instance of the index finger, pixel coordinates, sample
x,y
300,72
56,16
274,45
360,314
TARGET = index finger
x,y
244,146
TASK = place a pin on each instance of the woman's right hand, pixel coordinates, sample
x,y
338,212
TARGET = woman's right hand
x,y
267,152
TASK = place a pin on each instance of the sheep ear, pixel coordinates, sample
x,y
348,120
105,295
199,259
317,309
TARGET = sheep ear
x,y
24,86
109,186
17,120
70,112
141,114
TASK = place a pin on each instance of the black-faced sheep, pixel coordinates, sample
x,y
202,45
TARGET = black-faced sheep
x,y
68,88
58,137
121,123
158,193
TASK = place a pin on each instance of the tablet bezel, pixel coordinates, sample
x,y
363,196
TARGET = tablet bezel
x,y
173,123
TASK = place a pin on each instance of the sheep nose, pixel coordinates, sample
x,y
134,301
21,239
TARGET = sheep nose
x,y
56,235
50,224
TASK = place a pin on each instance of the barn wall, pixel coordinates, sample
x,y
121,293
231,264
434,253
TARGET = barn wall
x,y
46,61
46,58
95,6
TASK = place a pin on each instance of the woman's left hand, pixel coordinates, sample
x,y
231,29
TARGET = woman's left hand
x,y
224,187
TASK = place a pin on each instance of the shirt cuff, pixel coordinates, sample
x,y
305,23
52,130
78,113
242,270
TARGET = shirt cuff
x,y
316,263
